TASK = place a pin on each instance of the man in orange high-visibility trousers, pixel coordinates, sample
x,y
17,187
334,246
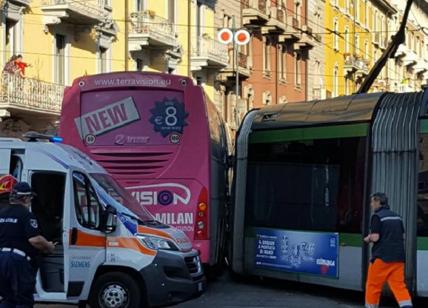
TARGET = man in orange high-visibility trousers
x,y
388,254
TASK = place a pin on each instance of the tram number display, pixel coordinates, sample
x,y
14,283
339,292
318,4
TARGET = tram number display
x,y
314,253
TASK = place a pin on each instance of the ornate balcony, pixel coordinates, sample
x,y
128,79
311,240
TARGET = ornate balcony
x,y
19,2
26,96
421,66
151,30
209,53
255,12
411,58
276,23
357,65
89,12
228,73
292,31
401,51
306,41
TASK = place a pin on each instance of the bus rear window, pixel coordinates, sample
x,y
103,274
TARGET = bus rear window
x,y
132,117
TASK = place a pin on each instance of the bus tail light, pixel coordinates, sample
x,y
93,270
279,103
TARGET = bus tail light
x,y
201,222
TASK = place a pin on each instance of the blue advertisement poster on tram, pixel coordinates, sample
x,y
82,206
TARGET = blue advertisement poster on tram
x,y
298,251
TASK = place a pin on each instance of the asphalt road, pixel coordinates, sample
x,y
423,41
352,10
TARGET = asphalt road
x,y
249,293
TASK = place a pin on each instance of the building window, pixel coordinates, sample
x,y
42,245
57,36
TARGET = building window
x,y
105,2
12,37
298,12
200,19
335,81
366,13
281,63
346,35
267,98
171,11
60,59
139,5
297,69
227,21
102,60
374,22
266,55
357,10
336,35
357,43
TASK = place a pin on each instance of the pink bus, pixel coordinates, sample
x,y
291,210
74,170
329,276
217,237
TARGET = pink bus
x,y
162,139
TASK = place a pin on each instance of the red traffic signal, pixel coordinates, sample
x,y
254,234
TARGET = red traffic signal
x,y
225,36
242,37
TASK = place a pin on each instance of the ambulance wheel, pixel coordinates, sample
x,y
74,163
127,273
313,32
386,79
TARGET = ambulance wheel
x,y
116,290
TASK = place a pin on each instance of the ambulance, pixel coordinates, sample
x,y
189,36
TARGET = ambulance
x,y
111,252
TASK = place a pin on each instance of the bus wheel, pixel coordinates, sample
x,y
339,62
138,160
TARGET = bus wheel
x,y
116,290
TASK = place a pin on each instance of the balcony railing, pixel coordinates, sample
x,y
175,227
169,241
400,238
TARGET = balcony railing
x,y
19,2
87,12
242,60
30,95
357,64
209,53
152,29
255,12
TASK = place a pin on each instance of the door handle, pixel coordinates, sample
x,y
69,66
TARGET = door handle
x,y
73,236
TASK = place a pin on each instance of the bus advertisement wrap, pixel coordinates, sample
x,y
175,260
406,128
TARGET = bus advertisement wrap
x,y
298,251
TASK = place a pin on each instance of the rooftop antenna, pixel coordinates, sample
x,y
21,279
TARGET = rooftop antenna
x,y
398,39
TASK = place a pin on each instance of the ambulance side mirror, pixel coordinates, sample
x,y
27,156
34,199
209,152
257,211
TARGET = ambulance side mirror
x,y
109,219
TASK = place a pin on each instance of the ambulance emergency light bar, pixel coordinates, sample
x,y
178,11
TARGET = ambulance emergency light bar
x,y
35,137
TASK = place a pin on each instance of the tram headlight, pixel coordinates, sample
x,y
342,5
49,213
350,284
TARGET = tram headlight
x,y
157,243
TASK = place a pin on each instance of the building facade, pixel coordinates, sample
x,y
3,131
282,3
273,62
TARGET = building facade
x,y
299,50
410,65
347,45
279,50
66,39
360,31
171,36
232,106
316,82
61,40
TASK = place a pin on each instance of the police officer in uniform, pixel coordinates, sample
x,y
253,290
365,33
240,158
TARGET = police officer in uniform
x,y
20,240
388,254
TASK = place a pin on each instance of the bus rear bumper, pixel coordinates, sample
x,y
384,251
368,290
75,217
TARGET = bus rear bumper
x,y
173,277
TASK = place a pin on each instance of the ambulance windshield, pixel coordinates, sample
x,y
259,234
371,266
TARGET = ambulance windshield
x,y
119,198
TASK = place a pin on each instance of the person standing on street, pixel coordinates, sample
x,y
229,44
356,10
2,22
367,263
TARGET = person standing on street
x,y
388,254
19,241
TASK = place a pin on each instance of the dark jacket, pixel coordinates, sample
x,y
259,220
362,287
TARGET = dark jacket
x,y
389,226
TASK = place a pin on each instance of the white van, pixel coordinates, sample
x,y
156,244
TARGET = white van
x,y
111,252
